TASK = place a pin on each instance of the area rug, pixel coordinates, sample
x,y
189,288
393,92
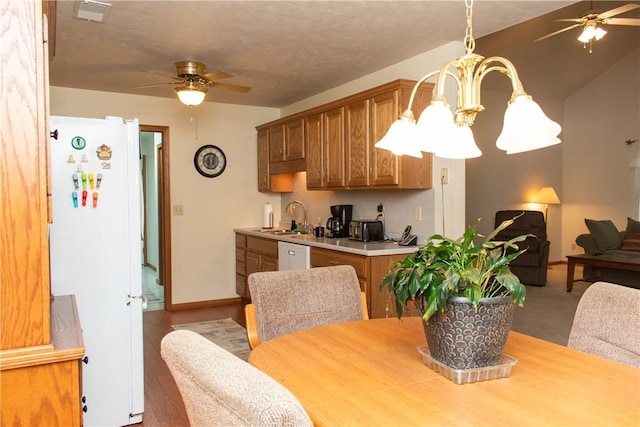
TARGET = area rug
x,y
225,332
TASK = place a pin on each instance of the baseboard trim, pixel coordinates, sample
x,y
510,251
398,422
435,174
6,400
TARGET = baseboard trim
x,y
205,304
556,262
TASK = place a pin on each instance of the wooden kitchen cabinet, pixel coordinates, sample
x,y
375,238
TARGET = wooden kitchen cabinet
x,y
253,254
315,150
340,137
370,271
357,143
282,182
40,340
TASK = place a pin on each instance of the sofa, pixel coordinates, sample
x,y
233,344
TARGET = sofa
x,y
605,238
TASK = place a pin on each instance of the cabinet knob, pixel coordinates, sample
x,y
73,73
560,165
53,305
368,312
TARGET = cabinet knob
x,y
54,134
84,399
86,360
84,408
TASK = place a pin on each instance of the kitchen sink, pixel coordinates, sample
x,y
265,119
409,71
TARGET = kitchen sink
x,y
281,232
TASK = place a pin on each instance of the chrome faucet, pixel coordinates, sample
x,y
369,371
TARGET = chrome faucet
x,y
304,208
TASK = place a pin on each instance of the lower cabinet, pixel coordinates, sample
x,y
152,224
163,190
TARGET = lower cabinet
x,y
44,388
253,254
370,271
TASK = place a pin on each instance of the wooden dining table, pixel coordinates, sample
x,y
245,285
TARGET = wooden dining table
x,y
370,373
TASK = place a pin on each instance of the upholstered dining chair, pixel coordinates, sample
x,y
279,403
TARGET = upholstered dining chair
x,y
218,388
607,323
283,302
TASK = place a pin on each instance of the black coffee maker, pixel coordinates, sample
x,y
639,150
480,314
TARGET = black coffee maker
x,y
338,224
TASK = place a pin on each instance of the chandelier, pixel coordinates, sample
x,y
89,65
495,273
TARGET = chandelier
x,y
448,134
191,93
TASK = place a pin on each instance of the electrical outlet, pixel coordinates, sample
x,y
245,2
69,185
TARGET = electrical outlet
x,y
417,214
444,175
178,209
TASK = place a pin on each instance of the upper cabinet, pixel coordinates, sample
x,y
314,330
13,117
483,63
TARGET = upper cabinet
x,y
337,142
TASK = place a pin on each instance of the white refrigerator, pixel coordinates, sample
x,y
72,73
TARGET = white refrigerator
x,y
95,245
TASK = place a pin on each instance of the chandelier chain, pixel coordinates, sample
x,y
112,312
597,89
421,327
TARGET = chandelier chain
x,y
469,41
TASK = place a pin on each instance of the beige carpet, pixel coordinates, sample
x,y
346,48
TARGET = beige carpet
x,y
226,333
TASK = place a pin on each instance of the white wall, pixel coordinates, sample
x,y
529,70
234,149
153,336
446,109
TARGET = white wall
x,y
203,266
598,180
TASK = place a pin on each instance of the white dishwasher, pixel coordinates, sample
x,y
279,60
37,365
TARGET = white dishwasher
x,y
293,257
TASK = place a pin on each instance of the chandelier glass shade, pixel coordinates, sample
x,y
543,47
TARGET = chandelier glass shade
x,y
448,134
191,94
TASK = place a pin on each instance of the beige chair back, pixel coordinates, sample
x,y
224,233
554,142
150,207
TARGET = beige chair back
x,y
218,388
288,301
607,323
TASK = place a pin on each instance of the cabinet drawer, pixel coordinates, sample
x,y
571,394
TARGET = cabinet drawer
x,y
241,241
327,258
241,268
240,254
263,246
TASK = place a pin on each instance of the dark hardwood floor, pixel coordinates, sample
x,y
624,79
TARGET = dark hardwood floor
x,y
163,404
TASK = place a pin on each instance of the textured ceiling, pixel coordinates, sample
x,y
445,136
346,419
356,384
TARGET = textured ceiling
x,y
290,50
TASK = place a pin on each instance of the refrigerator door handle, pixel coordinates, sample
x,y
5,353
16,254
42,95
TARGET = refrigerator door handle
x,y
142,297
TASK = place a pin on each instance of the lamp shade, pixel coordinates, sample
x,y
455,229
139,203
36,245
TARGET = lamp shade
x,y
434,127
548,196
526,127
191,95
460,145
399,139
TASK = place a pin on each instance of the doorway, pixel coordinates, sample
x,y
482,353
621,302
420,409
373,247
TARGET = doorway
x,y
156,243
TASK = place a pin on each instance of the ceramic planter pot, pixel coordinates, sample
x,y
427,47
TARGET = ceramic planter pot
x,y
465,337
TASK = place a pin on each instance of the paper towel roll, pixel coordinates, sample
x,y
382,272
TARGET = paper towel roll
x,y
267,216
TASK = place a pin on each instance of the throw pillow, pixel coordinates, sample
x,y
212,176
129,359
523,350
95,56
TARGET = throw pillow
x,y
631,242
604,233
633,226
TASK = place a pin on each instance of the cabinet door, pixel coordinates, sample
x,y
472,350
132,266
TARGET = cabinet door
x,y
333,136
276,144
269,263
294,140
384,164
357,143
314,151
263,160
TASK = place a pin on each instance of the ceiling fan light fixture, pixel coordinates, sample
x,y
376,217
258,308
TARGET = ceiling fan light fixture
x,y
191,94
591,31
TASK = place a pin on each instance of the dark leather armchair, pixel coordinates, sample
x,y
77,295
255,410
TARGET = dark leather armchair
x,y
531,266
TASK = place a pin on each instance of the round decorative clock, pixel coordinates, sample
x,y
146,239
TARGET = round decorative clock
x,y
209,161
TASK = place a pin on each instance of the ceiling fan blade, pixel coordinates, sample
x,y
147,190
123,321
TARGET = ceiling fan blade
x,y
618,10
557,32
623,21
216,75
234,88
155,85
160,73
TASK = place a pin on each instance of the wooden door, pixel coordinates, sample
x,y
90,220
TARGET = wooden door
x,y
263,160
384,164
334,145
294,140
357,144
276,144
314,151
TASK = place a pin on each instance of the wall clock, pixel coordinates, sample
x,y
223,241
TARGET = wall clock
x,y
210,161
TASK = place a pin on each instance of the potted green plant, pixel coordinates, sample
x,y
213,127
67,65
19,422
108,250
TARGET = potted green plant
x,y
465,293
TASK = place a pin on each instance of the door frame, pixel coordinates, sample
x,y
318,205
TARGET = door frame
x,y
164,213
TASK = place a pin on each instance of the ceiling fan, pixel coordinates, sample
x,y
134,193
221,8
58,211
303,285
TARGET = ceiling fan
x,y
591,22
194,81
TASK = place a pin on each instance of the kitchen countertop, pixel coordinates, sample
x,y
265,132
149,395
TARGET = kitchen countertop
x,y
340,244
